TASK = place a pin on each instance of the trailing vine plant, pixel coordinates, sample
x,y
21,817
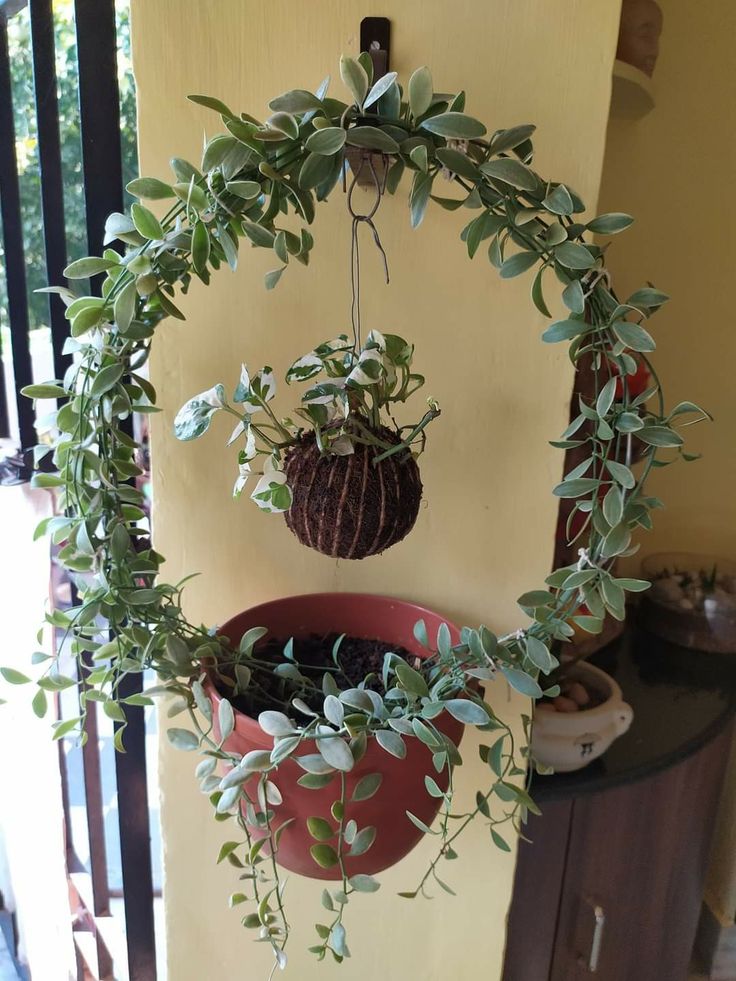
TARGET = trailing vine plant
x,y
251,183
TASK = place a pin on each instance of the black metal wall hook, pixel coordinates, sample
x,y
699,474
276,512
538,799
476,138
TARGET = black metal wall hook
x,y
375,38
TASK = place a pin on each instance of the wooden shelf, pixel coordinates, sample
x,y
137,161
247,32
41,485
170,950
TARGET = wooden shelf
x,y
632,96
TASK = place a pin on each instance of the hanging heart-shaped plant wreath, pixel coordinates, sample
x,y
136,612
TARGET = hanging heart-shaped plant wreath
x,y
249,179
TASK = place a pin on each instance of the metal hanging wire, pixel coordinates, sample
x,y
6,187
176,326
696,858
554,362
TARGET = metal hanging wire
x,y
365,218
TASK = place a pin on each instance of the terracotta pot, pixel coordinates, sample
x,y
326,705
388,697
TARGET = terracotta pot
x,y
402,788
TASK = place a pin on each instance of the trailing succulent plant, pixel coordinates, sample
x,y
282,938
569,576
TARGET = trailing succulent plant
x,y
343,470
252,181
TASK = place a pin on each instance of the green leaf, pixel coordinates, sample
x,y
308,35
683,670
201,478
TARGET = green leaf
x,y
367,786
659,436
538,295
517,264
633,336
633,585
260,237
420,633
271,278
296,101
457,162
355,78
90,266
613,505
411,680
379,88
284,122
512,172
151,188
419,197
521,681
621,474
364,883
576,488
211,103
535,598
114,711
418,157
191,195
183,739
320,829
335,751
605,398
275,723
324,855
454,125
499,842
124,307
39,704
610,224
420,90
326,141
87,318
418,823
200,246
564,330
244,189
616,541
574,298
146,222
648,297
14,677
372,138
106,378
391,742
559,202
573,255
466,711
226,719
628,422
46,391
363,841
509,139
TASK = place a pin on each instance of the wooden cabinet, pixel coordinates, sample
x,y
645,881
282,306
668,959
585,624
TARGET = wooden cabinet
x,y
611,886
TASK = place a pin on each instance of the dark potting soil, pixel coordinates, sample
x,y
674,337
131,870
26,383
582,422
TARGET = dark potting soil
x,y
358,660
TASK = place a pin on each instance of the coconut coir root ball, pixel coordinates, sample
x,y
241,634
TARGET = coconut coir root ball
x,y
347,506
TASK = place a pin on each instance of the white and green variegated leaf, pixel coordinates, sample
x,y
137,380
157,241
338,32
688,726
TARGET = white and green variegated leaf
x,y
272,493
194,417
369,368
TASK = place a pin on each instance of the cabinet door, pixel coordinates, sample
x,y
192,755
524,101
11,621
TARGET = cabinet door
x,y
634,875
540,872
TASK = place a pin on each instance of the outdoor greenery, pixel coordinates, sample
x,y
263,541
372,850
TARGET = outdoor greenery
x,y
251,181
26,140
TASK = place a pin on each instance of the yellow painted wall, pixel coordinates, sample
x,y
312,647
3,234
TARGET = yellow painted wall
x,y
674,171
504,395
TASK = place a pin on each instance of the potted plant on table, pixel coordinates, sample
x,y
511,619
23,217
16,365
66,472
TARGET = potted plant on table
x,y
340,730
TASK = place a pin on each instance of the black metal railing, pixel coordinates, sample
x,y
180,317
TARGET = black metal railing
x,y
99,118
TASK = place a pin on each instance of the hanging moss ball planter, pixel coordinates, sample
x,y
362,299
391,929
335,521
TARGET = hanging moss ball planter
x,y
352,506
383,784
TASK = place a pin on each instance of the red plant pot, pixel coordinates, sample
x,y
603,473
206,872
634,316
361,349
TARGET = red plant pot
x,y
402,788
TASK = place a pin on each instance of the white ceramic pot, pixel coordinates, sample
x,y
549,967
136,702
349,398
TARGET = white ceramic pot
x,y
569,741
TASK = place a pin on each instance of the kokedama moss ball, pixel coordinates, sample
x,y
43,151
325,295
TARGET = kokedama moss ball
x,y
348,506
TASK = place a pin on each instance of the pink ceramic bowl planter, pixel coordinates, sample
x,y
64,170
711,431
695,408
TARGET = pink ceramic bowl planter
x,y
402,788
